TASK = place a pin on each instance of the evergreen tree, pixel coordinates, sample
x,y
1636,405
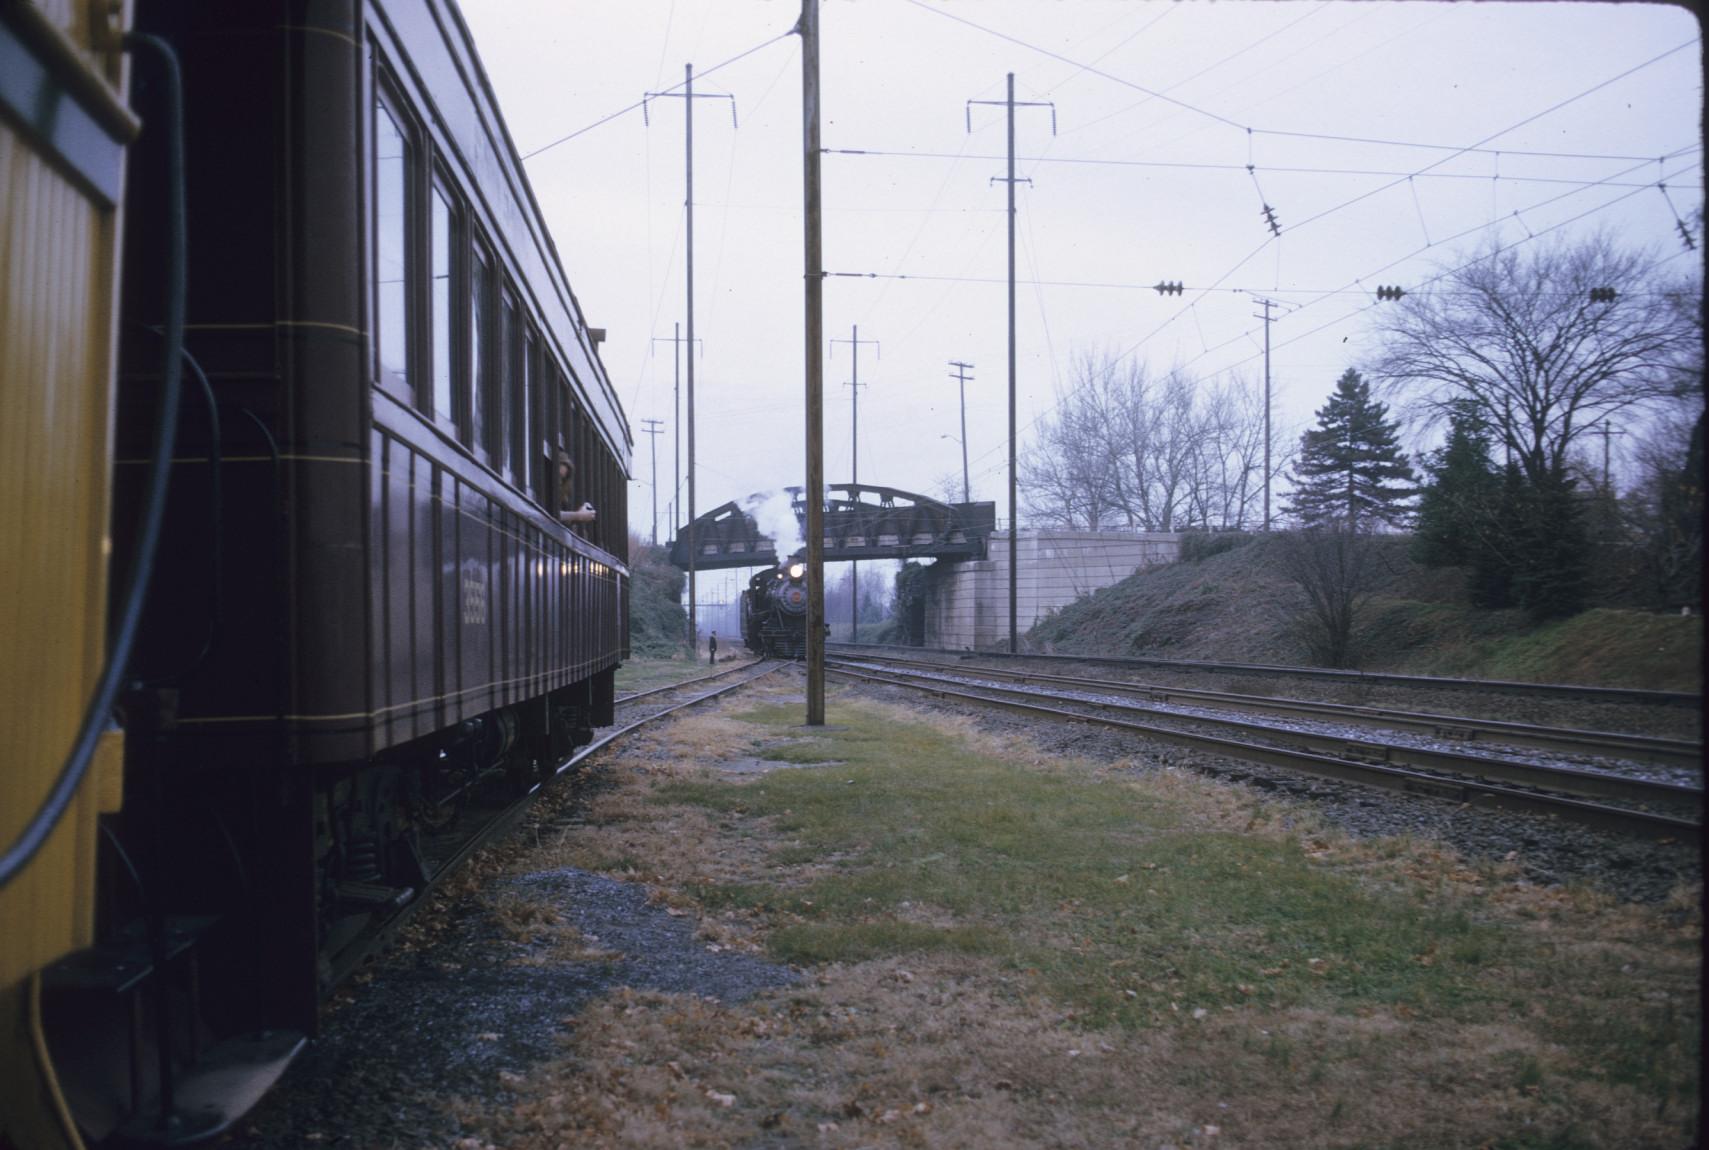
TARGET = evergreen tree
x,y
1549,568
1456,508
1350,468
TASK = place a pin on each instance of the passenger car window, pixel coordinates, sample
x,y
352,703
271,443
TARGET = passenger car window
x,y
392,160
444,387
480,349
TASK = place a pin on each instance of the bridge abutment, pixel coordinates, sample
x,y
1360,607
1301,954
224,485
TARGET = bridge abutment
x,y
967,605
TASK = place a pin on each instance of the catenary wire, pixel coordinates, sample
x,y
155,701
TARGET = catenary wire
x,y
606,119
1530,237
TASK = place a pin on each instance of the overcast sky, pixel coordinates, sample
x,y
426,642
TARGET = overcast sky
x,y
1389,138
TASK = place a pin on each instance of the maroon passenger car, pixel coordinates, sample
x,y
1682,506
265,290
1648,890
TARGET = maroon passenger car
x,y
371,627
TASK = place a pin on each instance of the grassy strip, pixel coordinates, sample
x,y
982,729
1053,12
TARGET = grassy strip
x,y
1018,951
645,674
1092,887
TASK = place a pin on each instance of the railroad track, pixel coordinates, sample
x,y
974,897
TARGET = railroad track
x,y
481,825
1481,686
681,683
1473,780
1455,728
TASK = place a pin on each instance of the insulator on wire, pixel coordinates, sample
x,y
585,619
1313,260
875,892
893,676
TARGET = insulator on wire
x,y
1602,295
1390,291
1270,218
1169,287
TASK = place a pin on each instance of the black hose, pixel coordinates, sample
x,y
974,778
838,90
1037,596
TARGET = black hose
x,y
99,711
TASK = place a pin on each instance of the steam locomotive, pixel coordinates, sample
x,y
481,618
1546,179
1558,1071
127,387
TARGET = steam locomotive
x,y
774,611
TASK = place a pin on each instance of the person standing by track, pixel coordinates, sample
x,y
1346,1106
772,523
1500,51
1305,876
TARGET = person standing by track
x,y
712,648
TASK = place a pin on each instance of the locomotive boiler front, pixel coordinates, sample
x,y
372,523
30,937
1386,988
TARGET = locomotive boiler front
x,y
774,611
788,589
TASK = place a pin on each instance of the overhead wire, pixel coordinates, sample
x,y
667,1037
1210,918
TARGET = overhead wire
x,y
1229,122
625,110
1285,169
1531,236
1329,211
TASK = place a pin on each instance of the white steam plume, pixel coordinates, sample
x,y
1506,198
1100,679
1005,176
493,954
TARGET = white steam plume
x,y
774,514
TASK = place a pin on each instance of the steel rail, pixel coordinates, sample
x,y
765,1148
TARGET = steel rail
x,y
1593,784
1466,792
501,821
612,736
681,683
1487,686
1650,748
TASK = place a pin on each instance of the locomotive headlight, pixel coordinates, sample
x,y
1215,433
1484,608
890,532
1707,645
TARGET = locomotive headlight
x,y
796,570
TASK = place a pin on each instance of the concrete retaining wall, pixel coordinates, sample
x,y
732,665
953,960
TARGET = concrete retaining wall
x,y
968,604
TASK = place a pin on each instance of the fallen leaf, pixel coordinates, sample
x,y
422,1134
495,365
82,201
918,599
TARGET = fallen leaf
x,y
889,1116
724,1100
487,1036
922,1107
1199,1012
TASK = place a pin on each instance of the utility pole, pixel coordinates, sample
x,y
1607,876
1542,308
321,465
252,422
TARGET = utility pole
x,y
1268,304
687,97
814,495
854,341
653,428
1014,523
676,342
961,376
1606,432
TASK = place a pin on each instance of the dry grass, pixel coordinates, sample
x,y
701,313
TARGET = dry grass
x,y
954,1053
538,929
1544,1018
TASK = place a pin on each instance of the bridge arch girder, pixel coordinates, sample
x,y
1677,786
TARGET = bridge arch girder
x,y
861,521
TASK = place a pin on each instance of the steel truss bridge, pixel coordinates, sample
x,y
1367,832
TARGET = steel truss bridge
x,y
861,522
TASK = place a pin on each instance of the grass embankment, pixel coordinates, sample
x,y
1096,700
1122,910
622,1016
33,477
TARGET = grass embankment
x,y
1013,950
1236,605
1599,648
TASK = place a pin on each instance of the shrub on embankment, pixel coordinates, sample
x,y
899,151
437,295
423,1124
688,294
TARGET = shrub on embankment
x,y
656,626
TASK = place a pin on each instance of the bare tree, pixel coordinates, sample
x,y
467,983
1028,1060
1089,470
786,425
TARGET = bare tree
x,y
1546,342
1335,567
947,487
1229,485
1153,453
1664,509
1159,431
1068,475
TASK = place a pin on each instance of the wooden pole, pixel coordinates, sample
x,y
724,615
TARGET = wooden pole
x,y
814,495
688,111
1014,524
